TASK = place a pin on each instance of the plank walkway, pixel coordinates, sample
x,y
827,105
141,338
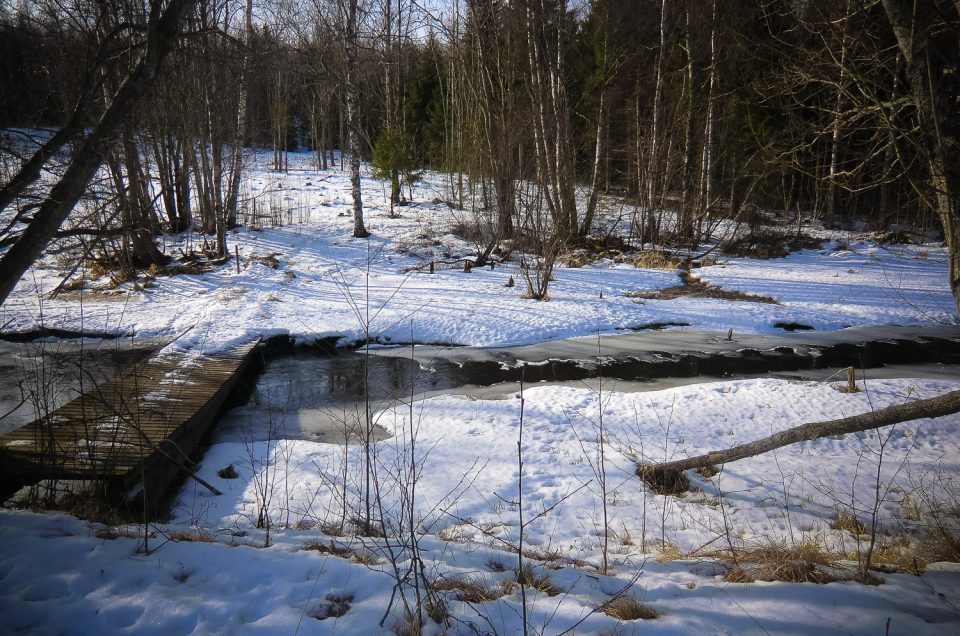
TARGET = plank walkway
x,y
137,428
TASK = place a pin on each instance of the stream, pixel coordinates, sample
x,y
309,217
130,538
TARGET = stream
x,y
320,396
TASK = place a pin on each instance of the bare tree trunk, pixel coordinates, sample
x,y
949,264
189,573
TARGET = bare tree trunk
x,y
141,225
835,127
556,173
243,119
939,406
353,121
654,154
694,81
936,107
706,162
595,177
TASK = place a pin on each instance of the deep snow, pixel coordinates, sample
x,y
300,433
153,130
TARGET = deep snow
x,y
62,575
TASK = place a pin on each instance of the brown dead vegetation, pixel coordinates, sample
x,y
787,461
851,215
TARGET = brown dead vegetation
x,y
693,287
469,589
804,563
539,582
627,608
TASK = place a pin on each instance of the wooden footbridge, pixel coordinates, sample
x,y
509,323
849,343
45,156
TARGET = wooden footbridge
x,y
134,433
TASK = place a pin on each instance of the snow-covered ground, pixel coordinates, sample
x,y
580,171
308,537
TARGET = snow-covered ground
x,y
208,571
62,574
322,270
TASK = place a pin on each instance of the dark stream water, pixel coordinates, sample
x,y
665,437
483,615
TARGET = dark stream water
x,y
306,394
303,394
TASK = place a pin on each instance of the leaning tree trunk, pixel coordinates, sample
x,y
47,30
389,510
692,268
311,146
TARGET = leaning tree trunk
x,y
939,406
162,33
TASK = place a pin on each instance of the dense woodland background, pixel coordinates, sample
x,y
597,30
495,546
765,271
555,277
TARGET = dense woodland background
x,y
847,111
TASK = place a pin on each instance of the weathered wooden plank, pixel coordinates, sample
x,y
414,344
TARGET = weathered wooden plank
x,y
125,427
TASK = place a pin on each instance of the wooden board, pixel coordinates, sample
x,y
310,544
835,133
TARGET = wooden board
x,y
151,412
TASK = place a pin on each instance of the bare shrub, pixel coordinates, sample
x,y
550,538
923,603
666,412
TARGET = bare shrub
x,y
762,243
228,473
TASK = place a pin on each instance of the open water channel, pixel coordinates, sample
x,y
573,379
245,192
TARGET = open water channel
x,y
303,393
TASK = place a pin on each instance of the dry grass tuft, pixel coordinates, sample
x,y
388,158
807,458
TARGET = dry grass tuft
x,y
900,554
708,472
437,609
190,536
342,551
942,545
543,554
110,533
331,529
777,562
469,589
578,258
654,259
365,558
627,608
843,520
539,582
454,533
668,553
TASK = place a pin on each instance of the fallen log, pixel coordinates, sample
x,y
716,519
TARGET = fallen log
x,y
668,478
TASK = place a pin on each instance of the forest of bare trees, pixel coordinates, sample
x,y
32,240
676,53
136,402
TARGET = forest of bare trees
x,y
842,111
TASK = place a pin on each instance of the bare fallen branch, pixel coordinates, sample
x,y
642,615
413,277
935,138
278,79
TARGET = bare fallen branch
x,y
665,477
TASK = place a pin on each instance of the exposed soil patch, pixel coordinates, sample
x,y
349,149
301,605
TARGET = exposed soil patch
x,y
663,481
693,287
